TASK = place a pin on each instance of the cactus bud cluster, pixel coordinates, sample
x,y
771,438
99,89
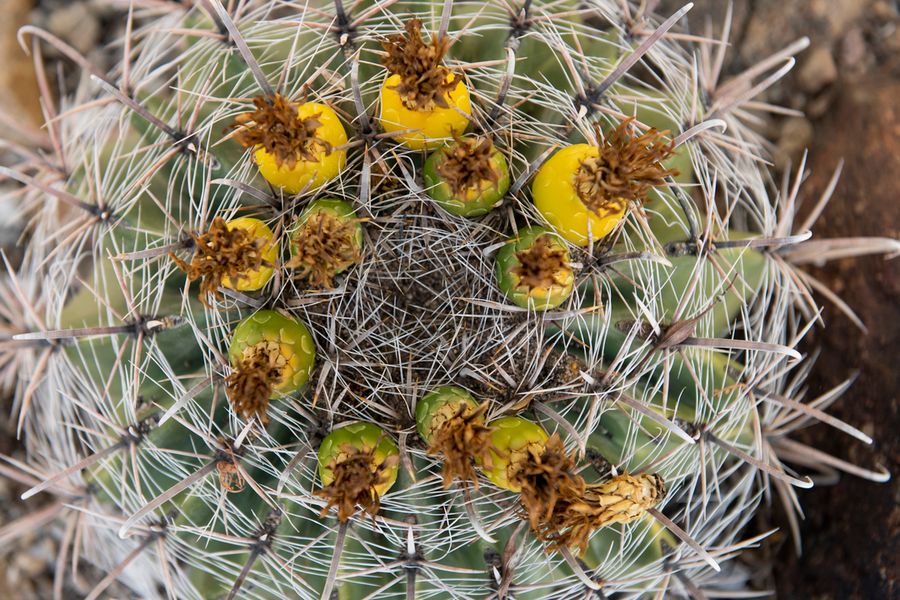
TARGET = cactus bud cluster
x,y
409,299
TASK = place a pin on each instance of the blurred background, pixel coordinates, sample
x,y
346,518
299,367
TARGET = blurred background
x,y
847,83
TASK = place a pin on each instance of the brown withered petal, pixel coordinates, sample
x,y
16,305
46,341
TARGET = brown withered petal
x,y
622,499
625,170
275,126
461,439
467,164
547,479
423,84
230,478
221,253
325,245
539,264
250,384
355,478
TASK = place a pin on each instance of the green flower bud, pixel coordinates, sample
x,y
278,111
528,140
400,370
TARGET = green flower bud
x,y
468,177
533,269
437,406
511,438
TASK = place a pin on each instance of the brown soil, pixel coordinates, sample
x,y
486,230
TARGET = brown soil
x,y
851,535
847,83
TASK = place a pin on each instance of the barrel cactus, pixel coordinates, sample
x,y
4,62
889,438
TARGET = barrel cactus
x,y
410,299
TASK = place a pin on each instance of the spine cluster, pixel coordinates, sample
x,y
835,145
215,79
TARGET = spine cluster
x,y
410,299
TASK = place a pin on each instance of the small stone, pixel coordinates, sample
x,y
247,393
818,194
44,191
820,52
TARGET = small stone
x,y
818,71
853,48
892,41
18,86
796,135
76,24
45,550
29,565
818,106
884,10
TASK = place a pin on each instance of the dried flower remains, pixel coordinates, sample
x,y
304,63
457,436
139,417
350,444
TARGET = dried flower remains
x,y
221,253
325,244
466,165
460,439
540,265
563,510
250,385
546,477
276,127
424,81
624,171
622,499
356,477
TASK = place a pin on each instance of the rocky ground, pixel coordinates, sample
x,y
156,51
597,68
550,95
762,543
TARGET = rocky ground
x,y
847,83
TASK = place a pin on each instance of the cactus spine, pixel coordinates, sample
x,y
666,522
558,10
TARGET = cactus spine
x,y
245,275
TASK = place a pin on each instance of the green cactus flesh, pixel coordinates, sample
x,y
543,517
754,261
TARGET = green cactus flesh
x,y
655,356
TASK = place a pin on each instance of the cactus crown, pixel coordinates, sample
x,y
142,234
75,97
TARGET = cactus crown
x,y
631,297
